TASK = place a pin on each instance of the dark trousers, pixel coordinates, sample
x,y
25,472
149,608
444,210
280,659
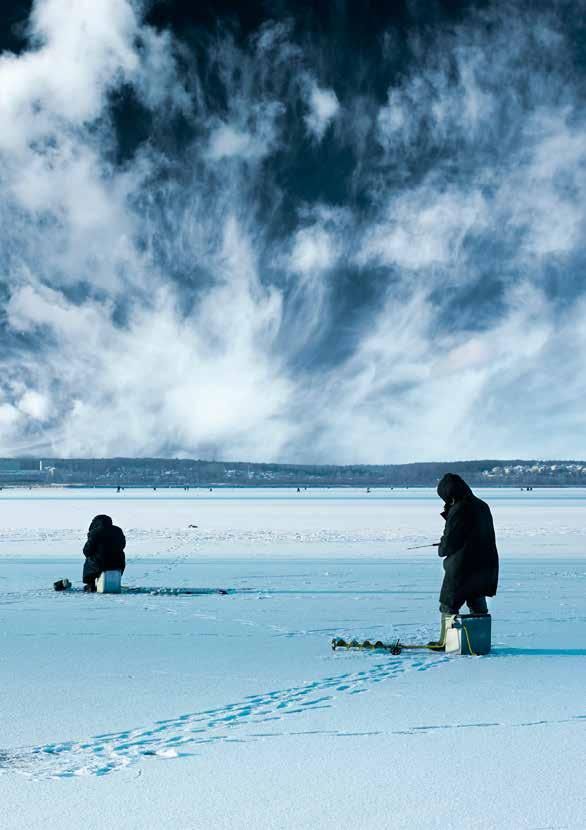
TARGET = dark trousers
x,y
92,570
476,605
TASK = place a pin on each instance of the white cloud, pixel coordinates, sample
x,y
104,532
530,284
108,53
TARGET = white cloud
x,y
424,228
393,120
405,385
9,417
314,250
83,50
205,381
323,107
158,306
546,192
35,405
227,142
251,137
55,137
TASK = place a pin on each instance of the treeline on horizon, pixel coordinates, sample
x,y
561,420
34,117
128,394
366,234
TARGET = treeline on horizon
x,y
200,472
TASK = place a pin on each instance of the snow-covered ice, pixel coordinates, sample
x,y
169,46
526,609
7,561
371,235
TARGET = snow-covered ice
x,y
274,523
258,722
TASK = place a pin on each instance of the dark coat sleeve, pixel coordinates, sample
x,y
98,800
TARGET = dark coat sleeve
x,y
456,531
91,567
90,547
91,570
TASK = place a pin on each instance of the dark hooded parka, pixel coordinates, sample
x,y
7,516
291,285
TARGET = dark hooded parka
x,y
104,549
468,545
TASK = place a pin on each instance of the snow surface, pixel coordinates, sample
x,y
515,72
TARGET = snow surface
x,y
274,523
258,723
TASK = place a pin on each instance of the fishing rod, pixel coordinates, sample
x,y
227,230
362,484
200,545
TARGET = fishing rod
x,y
417,547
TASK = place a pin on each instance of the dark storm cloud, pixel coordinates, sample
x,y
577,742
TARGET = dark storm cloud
x,y
283,234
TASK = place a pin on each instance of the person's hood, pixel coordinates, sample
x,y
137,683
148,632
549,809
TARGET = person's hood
x,y
100,521
452,486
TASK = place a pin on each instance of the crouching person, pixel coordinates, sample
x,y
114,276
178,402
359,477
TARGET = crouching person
x,y
468,548
103,551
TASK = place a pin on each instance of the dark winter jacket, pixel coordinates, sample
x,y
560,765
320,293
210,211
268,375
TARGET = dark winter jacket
x,y
104,549
468,545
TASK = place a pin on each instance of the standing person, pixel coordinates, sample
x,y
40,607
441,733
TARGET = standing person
x,y
103,551
468,548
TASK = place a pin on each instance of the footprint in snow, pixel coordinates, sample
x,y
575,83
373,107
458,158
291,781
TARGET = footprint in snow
x,y
177,737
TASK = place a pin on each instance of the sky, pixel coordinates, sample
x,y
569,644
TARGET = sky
x,y
327,232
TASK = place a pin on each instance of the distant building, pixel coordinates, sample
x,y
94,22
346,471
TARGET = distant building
x,y
13,471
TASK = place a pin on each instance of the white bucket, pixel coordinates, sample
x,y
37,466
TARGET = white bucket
x,y
109,582
469,634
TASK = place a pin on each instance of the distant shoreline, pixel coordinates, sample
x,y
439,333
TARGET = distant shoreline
x,y
198,473
280,486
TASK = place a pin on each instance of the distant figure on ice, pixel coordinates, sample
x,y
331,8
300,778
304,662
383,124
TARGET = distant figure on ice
x,y
468,548
103,551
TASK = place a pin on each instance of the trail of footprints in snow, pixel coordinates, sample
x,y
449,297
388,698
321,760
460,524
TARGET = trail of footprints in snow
x,y
177,737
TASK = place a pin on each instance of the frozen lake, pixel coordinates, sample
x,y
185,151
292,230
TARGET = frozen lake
x,y
150,710
277,523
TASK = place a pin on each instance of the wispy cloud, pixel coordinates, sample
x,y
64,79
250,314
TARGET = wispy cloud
x,y
286,263
323,106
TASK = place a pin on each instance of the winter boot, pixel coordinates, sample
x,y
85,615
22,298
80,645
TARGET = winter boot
x,y
439,645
